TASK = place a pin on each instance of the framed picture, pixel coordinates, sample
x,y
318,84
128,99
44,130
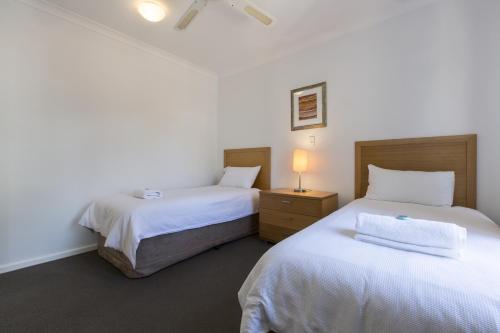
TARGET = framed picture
x,y
309,107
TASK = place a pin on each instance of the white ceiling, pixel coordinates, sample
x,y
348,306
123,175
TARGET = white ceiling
x,y
225,41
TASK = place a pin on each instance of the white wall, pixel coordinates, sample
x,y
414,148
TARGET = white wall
x,y
85,115
430,72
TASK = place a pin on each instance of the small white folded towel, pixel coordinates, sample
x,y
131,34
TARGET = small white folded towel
x,y
436,251
412,234
148,194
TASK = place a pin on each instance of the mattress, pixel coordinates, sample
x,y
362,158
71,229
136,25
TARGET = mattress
x,y
125,220
323,280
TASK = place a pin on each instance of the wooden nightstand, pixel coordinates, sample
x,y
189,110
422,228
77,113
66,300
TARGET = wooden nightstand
x,y
284,212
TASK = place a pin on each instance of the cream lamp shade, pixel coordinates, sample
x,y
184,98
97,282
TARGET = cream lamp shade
x,y
300,160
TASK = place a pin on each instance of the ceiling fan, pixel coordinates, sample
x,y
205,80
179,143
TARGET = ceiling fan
x,y
244,6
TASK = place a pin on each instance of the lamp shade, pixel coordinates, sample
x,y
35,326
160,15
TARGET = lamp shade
x,y
299,160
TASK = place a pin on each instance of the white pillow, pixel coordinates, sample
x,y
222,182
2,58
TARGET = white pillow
x,y
239,176
425,188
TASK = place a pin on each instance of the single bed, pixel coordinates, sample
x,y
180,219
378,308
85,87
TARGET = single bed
x,y
141,237
323,280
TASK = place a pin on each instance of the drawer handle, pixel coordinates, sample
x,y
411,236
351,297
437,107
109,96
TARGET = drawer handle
x,y
286,202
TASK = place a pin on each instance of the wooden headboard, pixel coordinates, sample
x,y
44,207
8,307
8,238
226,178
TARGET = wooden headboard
x,y
250,157
449,153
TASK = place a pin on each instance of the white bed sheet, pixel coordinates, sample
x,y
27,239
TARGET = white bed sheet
x,y
322,280
125,220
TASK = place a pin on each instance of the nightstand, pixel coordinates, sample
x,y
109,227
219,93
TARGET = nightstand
x,y
284,212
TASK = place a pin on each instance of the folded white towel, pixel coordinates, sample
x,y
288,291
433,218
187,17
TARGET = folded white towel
x,y
148,194
450,253
412,231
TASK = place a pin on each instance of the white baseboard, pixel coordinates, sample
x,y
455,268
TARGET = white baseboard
x,y
50,257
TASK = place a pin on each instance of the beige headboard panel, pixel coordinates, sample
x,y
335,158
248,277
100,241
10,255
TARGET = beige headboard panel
x,y
450,153
249,157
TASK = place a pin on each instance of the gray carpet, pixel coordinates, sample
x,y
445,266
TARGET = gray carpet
x,y
86,294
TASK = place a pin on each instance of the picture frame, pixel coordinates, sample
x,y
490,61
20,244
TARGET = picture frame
x,y
308,107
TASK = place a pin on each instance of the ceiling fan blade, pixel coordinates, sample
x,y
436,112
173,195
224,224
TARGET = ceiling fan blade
x,y
190,14
250,9
259,15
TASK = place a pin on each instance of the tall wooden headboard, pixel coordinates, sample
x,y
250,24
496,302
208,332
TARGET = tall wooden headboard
x,y
250,157
449,153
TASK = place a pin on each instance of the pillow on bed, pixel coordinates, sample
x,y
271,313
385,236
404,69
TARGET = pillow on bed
x,y
239,176
425,188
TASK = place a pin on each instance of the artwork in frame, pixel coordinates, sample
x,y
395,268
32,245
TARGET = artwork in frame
x,y
309,107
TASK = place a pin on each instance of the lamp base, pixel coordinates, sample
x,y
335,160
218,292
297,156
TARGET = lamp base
x,y
300,189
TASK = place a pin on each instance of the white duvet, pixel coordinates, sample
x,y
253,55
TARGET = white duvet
x,y
125,220
323,280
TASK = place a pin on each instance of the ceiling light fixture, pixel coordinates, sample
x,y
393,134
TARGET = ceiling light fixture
x,y
151,11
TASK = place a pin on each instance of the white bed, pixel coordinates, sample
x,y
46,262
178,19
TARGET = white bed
x,y
141,237
323,280
125,220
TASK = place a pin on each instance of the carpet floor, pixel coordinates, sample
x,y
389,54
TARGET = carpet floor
x,y
86,294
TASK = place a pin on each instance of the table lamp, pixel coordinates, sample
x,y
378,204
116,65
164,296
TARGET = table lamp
x,y
299,165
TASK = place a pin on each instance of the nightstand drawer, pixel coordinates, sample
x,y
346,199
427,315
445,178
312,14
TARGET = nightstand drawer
x,y
291,204
284,212
273,233
286,220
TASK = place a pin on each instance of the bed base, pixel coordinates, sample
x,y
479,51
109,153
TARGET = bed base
x,y
156,253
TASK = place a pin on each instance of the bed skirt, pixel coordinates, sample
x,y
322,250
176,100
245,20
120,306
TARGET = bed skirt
x,y
156,253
